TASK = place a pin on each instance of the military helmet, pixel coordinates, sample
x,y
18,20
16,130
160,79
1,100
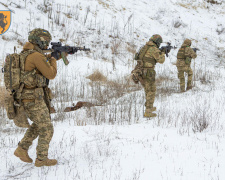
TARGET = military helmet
x,y
187,42
41,37
157,39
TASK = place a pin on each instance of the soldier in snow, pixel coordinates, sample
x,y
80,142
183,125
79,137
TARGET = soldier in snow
x,y
144,71
36,96
184,56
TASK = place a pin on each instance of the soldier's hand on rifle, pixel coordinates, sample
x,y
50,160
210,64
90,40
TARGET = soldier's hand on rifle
x,y
164,50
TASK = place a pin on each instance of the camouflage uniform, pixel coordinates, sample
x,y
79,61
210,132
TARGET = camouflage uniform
x,y
152,56
184,56
38,112
36,99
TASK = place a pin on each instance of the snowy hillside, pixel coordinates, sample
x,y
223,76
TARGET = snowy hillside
x,y
112,140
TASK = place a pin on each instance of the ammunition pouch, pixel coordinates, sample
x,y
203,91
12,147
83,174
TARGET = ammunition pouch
x,y
39,94
148,62
16,113
31,79
148,73
10,107
48,93
35,94
20,119
137,76
188,61
41,81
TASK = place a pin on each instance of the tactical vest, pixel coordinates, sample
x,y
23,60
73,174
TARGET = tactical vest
x,y
181,53
15,78
146,61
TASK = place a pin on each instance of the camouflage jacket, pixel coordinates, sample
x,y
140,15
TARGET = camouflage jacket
x,y
153,56
185,53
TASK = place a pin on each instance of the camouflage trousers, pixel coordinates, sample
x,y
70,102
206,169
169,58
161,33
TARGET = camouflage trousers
x,y
149,87
181,70
38,113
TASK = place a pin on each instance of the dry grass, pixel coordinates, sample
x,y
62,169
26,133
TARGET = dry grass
x,y
191,6
131,48
97,76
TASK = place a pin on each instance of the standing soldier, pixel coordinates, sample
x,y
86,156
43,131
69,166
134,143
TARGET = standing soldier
x,y
184,56
144,71
36,96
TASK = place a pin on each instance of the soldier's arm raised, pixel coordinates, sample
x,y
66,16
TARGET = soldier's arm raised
x,y
48,68
159,56
189,52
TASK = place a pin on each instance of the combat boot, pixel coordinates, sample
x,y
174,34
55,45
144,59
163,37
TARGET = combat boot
x,y
23,155
47,162
182,89
149,113
189,87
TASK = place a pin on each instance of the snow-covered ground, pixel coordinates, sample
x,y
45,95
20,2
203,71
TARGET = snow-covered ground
x,y
112,140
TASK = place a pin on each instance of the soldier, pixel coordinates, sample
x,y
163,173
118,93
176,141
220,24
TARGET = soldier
x,y
147,58
184,56
36,98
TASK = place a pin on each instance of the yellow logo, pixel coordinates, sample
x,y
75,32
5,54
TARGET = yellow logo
x,y
5,21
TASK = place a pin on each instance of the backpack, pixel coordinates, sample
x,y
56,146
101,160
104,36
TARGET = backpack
x,y
181,55
137,71
141,53
13,75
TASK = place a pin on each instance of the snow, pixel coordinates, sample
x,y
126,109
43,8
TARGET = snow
x,y
112,140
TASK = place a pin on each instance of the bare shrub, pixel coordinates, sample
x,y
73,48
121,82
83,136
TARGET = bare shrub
x,y
166,85
131,48
205,77
203,116
97,76
200,119
116,46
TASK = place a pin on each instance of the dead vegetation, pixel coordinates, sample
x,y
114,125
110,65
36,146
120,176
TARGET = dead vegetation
x,y
166,86
104,90
97,76
131,48
214,2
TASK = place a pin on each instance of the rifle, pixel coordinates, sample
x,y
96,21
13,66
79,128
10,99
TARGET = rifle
x,y
167,48
196,49
57,49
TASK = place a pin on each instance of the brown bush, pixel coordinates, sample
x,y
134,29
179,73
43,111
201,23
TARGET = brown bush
x,y
97,76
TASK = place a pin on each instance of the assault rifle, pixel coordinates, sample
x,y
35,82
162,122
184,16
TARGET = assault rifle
x,y
196,49
167,48
57,49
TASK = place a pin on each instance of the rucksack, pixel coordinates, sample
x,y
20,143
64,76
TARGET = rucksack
x,y
141,53
13,78
137,71
13,68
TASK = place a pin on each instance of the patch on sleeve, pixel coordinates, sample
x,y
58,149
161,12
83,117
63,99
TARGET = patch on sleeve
x,y
47,62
